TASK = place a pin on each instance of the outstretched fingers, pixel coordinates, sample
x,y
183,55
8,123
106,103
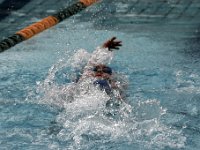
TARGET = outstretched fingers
x,y
118,43
112,44
113,38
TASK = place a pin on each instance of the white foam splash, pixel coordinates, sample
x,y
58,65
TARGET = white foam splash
x,y
88,121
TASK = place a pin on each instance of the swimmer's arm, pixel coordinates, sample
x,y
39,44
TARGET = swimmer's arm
x,y
102,52
105,49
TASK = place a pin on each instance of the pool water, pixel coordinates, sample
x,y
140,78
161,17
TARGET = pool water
x,y
158,59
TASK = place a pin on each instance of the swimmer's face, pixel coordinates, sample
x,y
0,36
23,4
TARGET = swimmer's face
x,y
102,71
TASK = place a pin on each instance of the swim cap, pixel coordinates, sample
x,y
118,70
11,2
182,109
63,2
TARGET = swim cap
x,y
103,85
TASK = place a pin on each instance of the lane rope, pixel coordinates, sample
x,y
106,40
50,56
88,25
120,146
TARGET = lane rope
x,y
46,23
38,27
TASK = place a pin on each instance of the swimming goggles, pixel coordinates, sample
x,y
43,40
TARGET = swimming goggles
x,y
104,69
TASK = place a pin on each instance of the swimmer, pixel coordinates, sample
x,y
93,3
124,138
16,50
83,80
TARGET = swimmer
x,y
98,70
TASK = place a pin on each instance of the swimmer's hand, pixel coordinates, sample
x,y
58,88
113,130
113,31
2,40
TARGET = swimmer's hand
x,y
112,44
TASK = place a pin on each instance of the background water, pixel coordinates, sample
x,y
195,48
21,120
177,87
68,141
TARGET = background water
x,y
159,58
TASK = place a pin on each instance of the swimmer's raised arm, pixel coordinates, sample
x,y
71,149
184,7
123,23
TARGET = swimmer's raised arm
x,y
102,55
112,44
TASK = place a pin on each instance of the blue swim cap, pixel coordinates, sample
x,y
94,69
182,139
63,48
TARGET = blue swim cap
x,y
103,85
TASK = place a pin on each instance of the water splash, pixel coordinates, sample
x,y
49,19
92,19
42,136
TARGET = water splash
x,y
90,119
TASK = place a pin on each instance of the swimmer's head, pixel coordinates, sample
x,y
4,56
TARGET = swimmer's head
x,y
103,69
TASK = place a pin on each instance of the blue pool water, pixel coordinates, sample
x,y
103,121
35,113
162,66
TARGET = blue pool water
x,y
158,59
